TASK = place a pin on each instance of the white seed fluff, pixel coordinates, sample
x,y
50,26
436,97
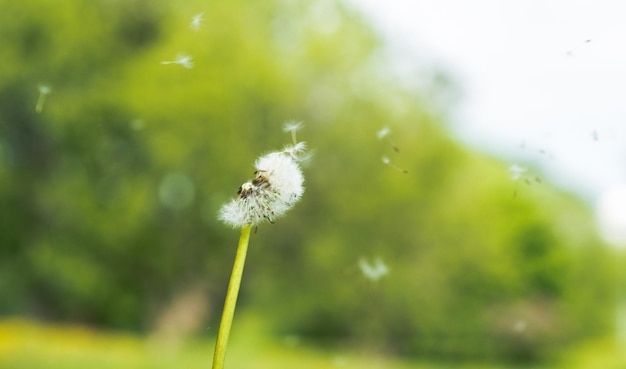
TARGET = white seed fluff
x,y
278,185
383,132
181,59
373,271
516,171
196,21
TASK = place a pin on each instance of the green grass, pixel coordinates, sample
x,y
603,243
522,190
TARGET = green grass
x,y
29,345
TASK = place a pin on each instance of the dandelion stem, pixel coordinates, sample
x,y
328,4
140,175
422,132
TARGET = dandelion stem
x,y
231,298
293,137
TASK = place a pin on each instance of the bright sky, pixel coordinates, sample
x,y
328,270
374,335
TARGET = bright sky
x,y
542,81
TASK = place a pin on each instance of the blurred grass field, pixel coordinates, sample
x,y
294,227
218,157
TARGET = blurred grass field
x,y
26,344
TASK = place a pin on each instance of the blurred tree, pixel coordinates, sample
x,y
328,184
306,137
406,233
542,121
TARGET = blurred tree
x,y
108,195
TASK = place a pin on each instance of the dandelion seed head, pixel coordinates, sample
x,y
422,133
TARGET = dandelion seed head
x,y
234,214
385,160
278,185
283,173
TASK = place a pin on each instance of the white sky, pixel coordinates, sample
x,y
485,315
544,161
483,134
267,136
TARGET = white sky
x,y
543,81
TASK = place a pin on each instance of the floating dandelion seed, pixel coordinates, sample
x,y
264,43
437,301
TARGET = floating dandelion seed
x,y
387,162
384,133
196,21
181,59
373,272
296,151
516,171
43,92
278,185
292,127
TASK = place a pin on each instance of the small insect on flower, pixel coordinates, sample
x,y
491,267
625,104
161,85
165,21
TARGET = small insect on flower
x,y
277,186
181,59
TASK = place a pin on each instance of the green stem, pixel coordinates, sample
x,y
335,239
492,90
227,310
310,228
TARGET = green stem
x,y
231,299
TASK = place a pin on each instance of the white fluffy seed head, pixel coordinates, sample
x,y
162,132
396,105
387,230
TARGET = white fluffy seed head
x,y
278,185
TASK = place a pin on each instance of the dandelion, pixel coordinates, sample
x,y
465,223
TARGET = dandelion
x,y
384,133
181,59
516,171
387,162
276,187
373,272
43,92
196,21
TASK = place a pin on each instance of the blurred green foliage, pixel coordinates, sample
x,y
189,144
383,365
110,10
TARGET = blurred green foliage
x,y
108,196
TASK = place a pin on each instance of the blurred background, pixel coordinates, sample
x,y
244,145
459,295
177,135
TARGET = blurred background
x,y
431,234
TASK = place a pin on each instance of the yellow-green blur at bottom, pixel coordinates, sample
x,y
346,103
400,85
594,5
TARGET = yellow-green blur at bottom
x,y
26,344
231,298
